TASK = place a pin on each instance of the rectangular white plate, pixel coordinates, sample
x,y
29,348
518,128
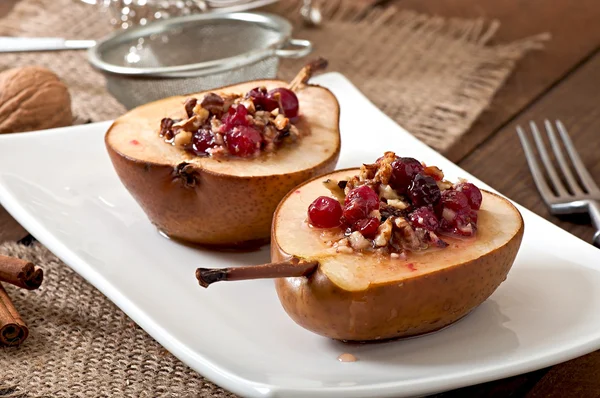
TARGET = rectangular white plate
x,y
60,185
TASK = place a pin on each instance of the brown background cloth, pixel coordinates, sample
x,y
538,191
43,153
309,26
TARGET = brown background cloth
x,y
432,75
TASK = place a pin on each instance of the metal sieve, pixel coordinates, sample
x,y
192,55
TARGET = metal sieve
x,y
182,55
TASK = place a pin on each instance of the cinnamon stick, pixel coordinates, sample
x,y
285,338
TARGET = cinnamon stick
x,y
294,267
13,331
20,273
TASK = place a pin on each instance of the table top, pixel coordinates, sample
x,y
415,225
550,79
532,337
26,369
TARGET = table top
x,y
558,82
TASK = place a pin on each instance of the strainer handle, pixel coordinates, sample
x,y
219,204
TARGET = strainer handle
x,y
303,48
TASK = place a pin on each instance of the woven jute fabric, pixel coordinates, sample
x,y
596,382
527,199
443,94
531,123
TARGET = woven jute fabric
x,y
82,345
434,76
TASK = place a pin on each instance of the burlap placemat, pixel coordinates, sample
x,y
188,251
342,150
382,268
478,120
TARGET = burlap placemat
x,y
433,76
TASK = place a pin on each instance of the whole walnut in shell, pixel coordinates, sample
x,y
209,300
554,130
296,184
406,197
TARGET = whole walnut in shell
x,y
33,98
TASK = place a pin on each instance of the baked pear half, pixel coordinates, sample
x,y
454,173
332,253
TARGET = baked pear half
x,y
225,200
372,295
388,250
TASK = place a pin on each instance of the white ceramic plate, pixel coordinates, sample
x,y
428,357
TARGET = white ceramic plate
x,y
61,186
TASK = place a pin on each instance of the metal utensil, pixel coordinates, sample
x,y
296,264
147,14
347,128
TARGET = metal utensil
x,y
580,194
23,44
194,53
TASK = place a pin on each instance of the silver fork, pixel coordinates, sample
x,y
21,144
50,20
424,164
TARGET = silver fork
x,y
576,196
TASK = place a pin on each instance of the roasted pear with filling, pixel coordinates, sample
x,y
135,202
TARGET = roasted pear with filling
x,y
210,168
386,251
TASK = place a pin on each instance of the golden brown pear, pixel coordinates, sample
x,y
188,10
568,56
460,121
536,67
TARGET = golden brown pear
x,y
360,297
220,202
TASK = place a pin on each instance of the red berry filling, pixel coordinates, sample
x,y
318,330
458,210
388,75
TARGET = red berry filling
x,y
403,172
399,205
472,193
243,141
235,125
367,226
359,203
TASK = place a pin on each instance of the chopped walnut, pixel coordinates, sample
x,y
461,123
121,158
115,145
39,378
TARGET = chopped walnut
x,y
400,222
281,122
335,189
183,138
434,172
367,171
407,237
384,173
343,246
191,124
213,103
219,139
384,233
375,214
387,192
358,241
201,113
249,104
397,203
215,125
189,105
443,185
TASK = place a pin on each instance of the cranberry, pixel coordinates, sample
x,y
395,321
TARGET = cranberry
x,y
367,227
288,101
235,117
425,218
365,194
472,193
325,212
454,200
354,211
260,99
359,203
403,172
202,140
243,141
424,191
462,222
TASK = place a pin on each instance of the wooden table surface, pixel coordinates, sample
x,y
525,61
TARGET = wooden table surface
x,y
562,81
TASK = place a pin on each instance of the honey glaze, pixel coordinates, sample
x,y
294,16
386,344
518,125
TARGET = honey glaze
x,y
346,357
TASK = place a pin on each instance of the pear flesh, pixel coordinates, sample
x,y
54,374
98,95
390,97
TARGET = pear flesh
x,y
369,296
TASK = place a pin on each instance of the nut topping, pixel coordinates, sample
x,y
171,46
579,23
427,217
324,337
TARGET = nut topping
x,y
397,205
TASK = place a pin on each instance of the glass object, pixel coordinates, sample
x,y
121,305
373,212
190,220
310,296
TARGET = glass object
x,y
129,13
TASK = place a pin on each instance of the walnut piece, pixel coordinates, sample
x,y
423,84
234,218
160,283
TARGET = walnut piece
x,y
33,98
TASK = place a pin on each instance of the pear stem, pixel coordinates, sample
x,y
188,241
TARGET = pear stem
x,y
306,73
284,269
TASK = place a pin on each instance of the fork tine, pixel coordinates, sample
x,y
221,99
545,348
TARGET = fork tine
x,y
584,175
558,185
538,176
558,153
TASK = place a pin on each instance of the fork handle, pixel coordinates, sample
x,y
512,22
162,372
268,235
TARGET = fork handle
x,y
594,210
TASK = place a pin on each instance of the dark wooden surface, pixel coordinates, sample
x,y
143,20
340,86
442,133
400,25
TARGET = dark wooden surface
x,y
561,81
